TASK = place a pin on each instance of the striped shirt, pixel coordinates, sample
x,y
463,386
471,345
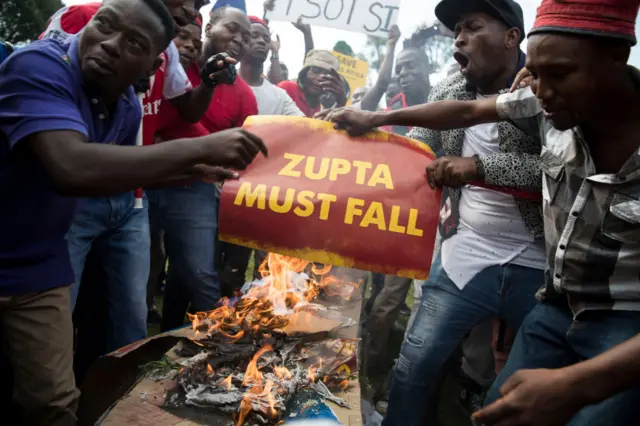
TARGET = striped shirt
x,y
591,221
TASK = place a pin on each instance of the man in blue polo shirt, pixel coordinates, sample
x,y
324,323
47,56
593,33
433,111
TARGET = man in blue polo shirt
x,y
64,108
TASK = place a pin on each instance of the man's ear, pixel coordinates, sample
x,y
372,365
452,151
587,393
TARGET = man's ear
x,y
207,29
512,38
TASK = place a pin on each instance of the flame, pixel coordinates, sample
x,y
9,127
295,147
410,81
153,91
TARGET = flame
x,y
227,382
288,287
282,372
343,384
256,392
245,408
253,374
270,399
311,373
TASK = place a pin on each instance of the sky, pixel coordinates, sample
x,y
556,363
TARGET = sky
x,y
413,13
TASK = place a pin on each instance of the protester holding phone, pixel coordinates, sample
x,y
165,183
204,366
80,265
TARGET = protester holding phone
x,y
318,77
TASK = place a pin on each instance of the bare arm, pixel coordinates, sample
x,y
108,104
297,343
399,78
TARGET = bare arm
x,y
552,397
275,71
308,41
441,115
192,105
609,373
305,29
372,98
80,168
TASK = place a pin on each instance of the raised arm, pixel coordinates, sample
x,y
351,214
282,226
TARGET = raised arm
x,y
275,70
192,105
305,29
372,98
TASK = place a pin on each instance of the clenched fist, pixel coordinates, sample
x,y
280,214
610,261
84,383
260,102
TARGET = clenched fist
x,y
453,172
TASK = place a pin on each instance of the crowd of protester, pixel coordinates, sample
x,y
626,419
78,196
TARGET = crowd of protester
x,y
532,299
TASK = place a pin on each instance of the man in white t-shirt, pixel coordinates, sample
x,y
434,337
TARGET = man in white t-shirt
x,y
272,100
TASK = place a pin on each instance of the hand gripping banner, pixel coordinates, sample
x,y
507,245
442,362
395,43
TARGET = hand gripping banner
x,y
326,197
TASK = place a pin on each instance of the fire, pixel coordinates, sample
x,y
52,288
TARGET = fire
x,y
256,393
343,384
270,400
282,372
270,303
288,286
253,374
311,373
227,382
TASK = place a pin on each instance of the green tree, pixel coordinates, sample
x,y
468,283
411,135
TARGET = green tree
x,y
375,49
24,20
439,50
344,48
436,41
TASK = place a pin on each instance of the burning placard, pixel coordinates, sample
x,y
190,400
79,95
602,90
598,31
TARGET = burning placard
x,y
326,197
243,363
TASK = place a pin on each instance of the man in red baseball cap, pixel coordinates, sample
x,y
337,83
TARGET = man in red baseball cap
x,y
574,361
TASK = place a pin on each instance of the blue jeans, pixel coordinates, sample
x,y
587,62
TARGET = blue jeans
x,y
445,316
188,216
551,338
120,236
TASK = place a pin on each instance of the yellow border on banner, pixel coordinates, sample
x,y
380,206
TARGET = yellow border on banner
x,y
320,256
378,135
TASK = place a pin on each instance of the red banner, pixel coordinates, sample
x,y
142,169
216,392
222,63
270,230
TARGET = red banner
x,y
326,197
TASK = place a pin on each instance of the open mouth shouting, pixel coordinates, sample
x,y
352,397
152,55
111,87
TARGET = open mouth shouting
x,y
462,59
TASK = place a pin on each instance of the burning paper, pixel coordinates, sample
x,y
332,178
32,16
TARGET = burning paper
x,y
242,361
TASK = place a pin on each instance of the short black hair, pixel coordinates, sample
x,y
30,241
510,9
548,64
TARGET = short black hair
x,y
162,12
199,4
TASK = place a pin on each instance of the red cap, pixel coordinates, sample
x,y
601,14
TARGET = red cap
x,y
604,18
256,20
198,20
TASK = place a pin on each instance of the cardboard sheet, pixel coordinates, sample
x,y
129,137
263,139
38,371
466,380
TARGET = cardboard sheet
x,y
142,403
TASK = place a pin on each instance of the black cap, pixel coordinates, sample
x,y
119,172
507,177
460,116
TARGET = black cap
x,y
509,12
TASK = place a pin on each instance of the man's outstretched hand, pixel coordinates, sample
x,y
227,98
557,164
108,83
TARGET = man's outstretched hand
x,y
356,122
232,148
534,398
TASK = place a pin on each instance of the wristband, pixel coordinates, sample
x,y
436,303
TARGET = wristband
x,y
275,57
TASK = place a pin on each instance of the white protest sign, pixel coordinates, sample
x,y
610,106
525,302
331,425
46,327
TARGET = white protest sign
x,y
371,17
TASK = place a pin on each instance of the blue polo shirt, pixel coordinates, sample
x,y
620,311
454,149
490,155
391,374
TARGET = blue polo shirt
x,y
41,90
